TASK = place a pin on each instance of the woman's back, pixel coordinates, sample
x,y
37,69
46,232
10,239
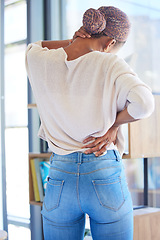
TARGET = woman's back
x,y
77,98
69,95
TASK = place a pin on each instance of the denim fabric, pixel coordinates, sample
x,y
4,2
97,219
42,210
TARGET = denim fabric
x,y
79,184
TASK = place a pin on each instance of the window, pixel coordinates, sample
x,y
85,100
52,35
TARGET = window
x,y
15,86
15,21
154,182
16,131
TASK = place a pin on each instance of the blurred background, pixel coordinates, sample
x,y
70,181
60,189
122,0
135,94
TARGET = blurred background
x,y
29,21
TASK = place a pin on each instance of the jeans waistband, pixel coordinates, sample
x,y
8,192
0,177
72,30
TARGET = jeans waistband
x,y
79,157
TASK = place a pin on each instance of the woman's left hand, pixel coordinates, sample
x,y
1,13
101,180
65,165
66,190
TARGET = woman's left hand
x,y
99,145
81,33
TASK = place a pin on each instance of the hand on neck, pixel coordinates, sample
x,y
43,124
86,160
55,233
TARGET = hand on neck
x,y
81,46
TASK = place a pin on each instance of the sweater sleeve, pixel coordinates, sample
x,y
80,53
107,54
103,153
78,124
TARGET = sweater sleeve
x,y
34,53
141,102
35,62
132,92
33,57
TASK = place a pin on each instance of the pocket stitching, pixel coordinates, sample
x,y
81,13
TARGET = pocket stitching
x,y
105,183
56,184
114,209
58,200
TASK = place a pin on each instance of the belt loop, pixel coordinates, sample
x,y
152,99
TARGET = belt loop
x,y
51,158
117,156
79,157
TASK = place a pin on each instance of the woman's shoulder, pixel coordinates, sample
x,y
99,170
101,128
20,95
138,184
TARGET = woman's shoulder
x,y
36,48
110,61
109,57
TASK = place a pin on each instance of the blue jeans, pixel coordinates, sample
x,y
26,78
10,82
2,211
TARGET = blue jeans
x,y
80,184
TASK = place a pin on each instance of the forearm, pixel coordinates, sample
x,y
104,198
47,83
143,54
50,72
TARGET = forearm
x,y
56,44
123,117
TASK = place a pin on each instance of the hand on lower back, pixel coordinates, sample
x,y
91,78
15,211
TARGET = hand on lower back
x,y
99,145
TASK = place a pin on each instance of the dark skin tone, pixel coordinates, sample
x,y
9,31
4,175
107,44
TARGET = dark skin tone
x,y
81,44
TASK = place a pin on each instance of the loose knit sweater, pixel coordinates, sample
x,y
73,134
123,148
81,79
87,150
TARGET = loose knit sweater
x,y
82,97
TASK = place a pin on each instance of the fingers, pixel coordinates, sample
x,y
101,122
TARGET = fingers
x,y
99,145
94,143
81,33
102,150
99,148
78,34
88,139
84,32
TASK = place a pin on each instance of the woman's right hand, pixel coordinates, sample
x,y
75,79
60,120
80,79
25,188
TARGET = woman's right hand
x,y
81,33
100,144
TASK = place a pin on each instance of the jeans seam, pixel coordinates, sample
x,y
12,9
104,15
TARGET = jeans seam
x,y
99,159
84,173
78,189
99,170
86,161
63,170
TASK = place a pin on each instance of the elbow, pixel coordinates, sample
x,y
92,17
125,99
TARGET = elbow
x,y
146,106
142,108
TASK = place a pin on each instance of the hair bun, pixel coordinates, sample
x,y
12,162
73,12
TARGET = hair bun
x,y
94,21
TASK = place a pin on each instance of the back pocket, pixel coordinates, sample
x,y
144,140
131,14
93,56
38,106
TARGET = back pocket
x,y
109,192
53,193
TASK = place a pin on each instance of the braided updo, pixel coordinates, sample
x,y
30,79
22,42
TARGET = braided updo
x,y
93,21
109,21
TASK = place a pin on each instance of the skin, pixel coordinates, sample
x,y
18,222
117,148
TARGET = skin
x,y
100,144
56,44
81,44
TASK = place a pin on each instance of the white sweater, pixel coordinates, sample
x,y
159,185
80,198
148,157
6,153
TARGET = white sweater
x,y
81,98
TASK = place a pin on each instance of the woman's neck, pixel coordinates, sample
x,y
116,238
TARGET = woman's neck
x,y
81,46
